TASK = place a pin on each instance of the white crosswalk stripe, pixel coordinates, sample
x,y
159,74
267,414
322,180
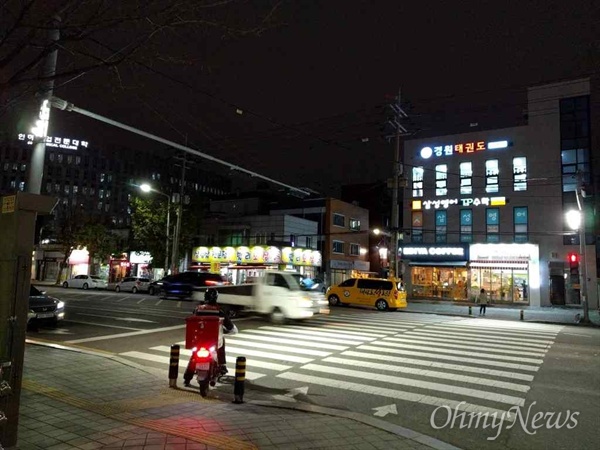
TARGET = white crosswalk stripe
x,y
438,361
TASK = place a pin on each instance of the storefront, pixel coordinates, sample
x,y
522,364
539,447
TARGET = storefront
x,y
436,272
242,264
140,264
119,267
509,273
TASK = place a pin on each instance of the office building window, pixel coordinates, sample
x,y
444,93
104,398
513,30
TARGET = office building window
x,y
339,220
441,179
338,247
466,225
417,226
520,223
492,224
354,249
51,156
308,242
417,182
520,173
59,158
466,178
21,185
491,176
355,224
440,226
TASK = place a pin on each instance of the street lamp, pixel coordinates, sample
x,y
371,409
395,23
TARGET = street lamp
x,y
575,221
147,188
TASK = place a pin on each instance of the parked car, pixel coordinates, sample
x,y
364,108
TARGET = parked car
x,y
43,308
184,284
86,282
133,284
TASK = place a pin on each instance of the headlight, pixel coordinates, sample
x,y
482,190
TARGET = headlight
x,y
60,305
305,303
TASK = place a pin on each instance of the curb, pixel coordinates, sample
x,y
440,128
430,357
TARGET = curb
x,y
315,409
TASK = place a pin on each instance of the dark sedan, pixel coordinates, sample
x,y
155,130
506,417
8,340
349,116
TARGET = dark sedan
x,y
183,285
43,308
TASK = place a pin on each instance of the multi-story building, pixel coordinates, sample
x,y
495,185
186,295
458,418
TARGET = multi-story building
x,y
486,209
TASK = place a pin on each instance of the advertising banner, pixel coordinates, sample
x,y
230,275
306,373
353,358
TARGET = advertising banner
x,y
257,255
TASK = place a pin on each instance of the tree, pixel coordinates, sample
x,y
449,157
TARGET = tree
x,y
107,34
64,230
149,227
98,240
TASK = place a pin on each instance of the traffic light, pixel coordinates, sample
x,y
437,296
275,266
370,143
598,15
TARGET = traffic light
x,y
574,267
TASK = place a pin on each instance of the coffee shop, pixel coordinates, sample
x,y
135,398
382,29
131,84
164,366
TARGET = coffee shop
x,y
436,271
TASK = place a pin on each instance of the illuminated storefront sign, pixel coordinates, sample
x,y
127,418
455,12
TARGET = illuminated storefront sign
x,y
55,142
435,253
445,203
462,148
257,255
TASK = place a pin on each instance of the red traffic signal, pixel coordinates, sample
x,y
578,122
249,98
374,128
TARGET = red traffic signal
x,y
573,258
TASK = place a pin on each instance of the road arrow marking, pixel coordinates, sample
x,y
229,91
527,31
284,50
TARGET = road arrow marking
x,y
383,411
290,396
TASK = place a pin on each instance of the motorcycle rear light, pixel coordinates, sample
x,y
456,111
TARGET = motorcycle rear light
x,y
202,353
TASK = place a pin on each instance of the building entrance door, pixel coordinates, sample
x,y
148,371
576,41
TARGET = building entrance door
x,y
557,290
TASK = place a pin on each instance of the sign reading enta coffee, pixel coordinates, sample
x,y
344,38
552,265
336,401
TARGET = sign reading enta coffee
x,y
433,253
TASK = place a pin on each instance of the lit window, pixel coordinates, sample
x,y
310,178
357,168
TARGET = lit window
x,y
492,223
440,226
520,173
338,247
354,249
21,185
51,157
339,220
520,223
417,226
59,157
441,179
466,178
417,182
75,189
355,224
491,175
466,225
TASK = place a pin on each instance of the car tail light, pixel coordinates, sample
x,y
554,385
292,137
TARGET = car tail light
x,y
212,283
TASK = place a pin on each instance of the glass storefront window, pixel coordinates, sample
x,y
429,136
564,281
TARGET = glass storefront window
x,y
501,284
439,282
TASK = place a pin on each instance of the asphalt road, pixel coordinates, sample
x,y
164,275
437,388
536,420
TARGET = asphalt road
x,y
408,369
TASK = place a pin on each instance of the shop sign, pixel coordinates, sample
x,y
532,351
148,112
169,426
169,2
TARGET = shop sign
x,y
273,255
339,264
79,257
55,142
257,255
435,253
460,148
467,202
499,252
140,258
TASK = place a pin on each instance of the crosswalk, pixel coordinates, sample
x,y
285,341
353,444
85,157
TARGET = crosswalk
x,y
471,364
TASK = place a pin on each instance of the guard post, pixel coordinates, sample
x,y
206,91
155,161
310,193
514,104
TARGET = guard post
x,y
174,366
521,315
470,311
240,378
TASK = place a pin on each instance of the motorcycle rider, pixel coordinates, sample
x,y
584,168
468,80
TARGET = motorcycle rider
x,y
210,308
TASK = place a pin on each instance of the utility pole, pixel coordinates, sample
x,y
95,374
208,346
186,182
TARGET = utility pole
x,y
397,181
177,234
38,156
580,194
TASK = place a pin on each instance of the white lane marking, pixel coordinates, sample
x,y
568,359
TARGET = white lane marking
x,y
502,325
324,331
488,348
281,348
458,337
122,335
140,301
421,354
391,393
166,359
312,331
362,324
382,411
126,319
158,303
479,354
304,337
485,334
482,336
362,330
430,373
374,320
575,334
498,330
253,363
103,325
279,340
268,355
446,388
440,365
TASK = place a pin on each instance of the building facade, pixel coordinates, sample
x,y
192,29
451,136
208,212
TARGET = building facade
x,y
486,209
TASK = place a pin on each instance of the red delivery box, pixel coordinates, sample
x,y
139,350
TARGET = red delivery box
x,y
206,330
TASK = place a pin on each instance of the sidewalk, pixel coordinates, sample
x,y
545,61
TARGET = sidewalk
x,y
566,315
82,400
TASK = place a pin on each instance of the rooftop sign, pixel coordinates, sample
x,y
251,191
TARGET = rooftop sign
x,y
462,148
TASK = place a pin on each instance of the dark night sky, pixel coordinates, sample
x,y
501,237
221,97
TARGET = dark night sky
x,y
341,58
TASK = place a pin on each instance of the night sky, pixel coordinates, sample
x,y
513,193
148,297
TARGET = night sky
x,y
313,87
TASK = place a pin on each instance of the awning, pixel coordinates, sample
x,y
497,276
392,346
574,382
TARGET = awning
x,y
518,264
439,263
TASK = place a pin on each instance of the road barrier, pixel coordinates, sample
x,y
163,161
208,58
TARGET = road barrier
x,y
174,366
240,378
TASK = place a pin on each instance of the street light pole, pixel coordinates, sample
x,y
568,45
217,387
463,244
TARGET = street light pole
x,y
147,188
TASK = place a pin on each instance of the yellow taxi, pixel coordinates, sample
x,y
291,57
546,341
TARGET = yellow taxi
x,y
380,293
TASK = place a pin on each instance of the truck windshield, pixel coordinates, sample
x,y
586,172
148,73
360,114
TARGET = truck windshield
x,y
296,284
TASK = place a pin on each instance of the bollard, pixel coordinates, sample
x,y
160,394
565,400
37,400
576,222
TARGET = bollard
x,y
174,366
521,315
470,311
240,378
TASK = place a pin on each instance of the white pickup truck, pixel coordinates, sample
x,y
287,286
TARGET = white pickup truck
x,y
277,294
